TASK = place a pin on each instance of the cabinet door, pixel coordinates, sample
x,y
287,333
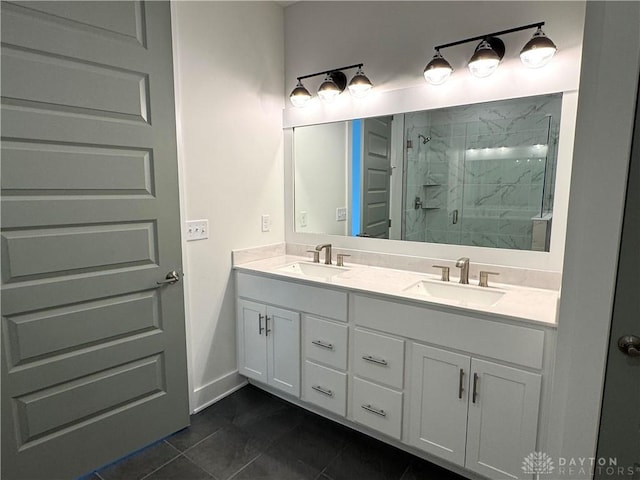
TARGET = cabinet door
x,y
283,349
439,399
252,342
503,419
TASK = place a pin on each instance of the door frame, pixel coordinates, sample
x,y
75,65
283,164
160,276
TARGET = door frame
x,y
608,88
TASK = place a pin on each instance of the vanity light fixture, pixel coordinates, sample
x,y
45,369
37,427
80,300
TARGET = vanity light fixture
x,y
360,85
538,51
438,70
488,54
300,95
334,83
332,86
487,57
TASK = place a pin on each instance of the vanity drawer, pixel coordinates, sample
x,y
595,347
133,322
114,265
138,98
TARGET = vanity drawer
x,y
325,388
379,358
377,407
325,342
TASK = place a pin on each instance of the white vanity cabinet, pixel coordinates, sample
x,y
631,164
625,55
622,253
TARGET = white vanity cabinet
x,y
269,345
444,382
475,413
479,414
269,315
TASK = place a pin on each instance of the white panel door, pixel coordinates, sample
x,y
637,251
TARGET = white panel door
x,y
439,400
252,341
503,419
283,349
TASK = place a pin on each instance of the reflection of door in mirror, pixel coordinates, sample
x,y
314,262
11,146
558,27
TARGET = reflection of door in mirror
x,y
376,170
342,173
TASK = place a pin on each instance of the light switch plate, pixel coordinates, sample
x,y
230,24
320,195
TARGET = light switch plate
x,y
266,223
341,214
197,230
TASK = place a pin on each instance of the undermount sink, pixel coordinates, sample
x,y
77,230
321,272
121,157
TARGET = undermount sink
x,y
462,294
316,270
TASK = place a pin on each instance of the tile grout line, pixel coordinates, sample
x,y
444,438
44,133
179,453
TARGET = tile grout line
x,y
322,472
180,454
405,471
245,466
198,442
213,477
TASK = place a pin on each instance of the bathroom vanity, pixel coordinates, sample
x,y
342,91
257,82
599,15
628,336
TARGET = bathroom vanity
x,y
457,374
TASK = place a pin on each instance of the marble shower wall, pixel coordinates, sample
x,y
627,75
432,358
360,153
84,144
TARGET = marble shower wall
x,y
478,174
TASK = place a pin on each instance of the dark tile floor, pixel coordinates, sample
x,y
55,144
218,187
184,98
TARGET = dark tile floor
x,y
252,435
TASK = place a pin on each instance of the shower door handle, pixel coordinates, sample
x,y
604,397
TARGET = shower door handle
x,y
455,216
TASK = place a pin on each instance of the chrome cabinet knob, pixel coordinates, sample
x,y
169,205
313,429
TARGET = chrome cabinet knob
x,y
629,345
171,278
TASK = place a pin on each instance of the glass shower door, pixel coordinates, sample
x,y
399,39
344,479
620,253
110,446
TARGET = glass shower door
x,y
505,166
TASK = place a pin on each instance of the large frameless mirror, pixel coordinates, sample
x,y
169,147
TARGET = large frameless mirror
x,y
481,175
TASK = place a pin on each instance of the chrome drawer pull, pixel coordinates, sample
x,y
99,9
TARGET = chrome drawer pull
x,y
379,361
320,343
324,391
371,409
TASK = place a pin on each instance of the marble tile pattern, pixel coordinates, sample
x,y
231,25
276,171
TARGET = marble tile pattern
x,y
524,304
491,165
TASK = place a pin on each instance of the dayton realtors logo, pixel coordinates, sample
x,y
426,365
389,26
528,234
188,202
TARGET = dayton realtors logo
x,y
540,463
537,463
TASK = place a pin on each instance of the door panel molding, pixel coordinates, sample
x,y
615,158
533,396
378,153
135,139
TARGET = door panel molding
x,y
94,361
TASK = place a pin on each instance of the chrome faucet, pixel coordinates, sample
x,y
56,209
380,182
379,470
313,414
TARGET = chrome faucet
x,y
463,265
327,253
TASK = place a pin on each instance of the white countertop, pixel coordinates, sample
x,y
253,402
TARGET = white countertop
x,y
527,304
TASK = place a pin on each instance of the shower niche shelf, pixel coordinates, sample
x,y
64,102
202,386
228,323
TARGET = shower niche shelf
x,y
418,203
430,195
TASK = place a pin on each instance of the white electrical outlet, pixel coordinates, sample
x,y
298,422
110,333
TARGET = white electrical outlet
x,y
197,230
341,214
304,219
266,223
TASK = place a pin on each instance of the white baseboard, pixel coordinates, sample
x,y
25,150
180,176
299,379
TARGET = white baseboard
x,y
215,390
